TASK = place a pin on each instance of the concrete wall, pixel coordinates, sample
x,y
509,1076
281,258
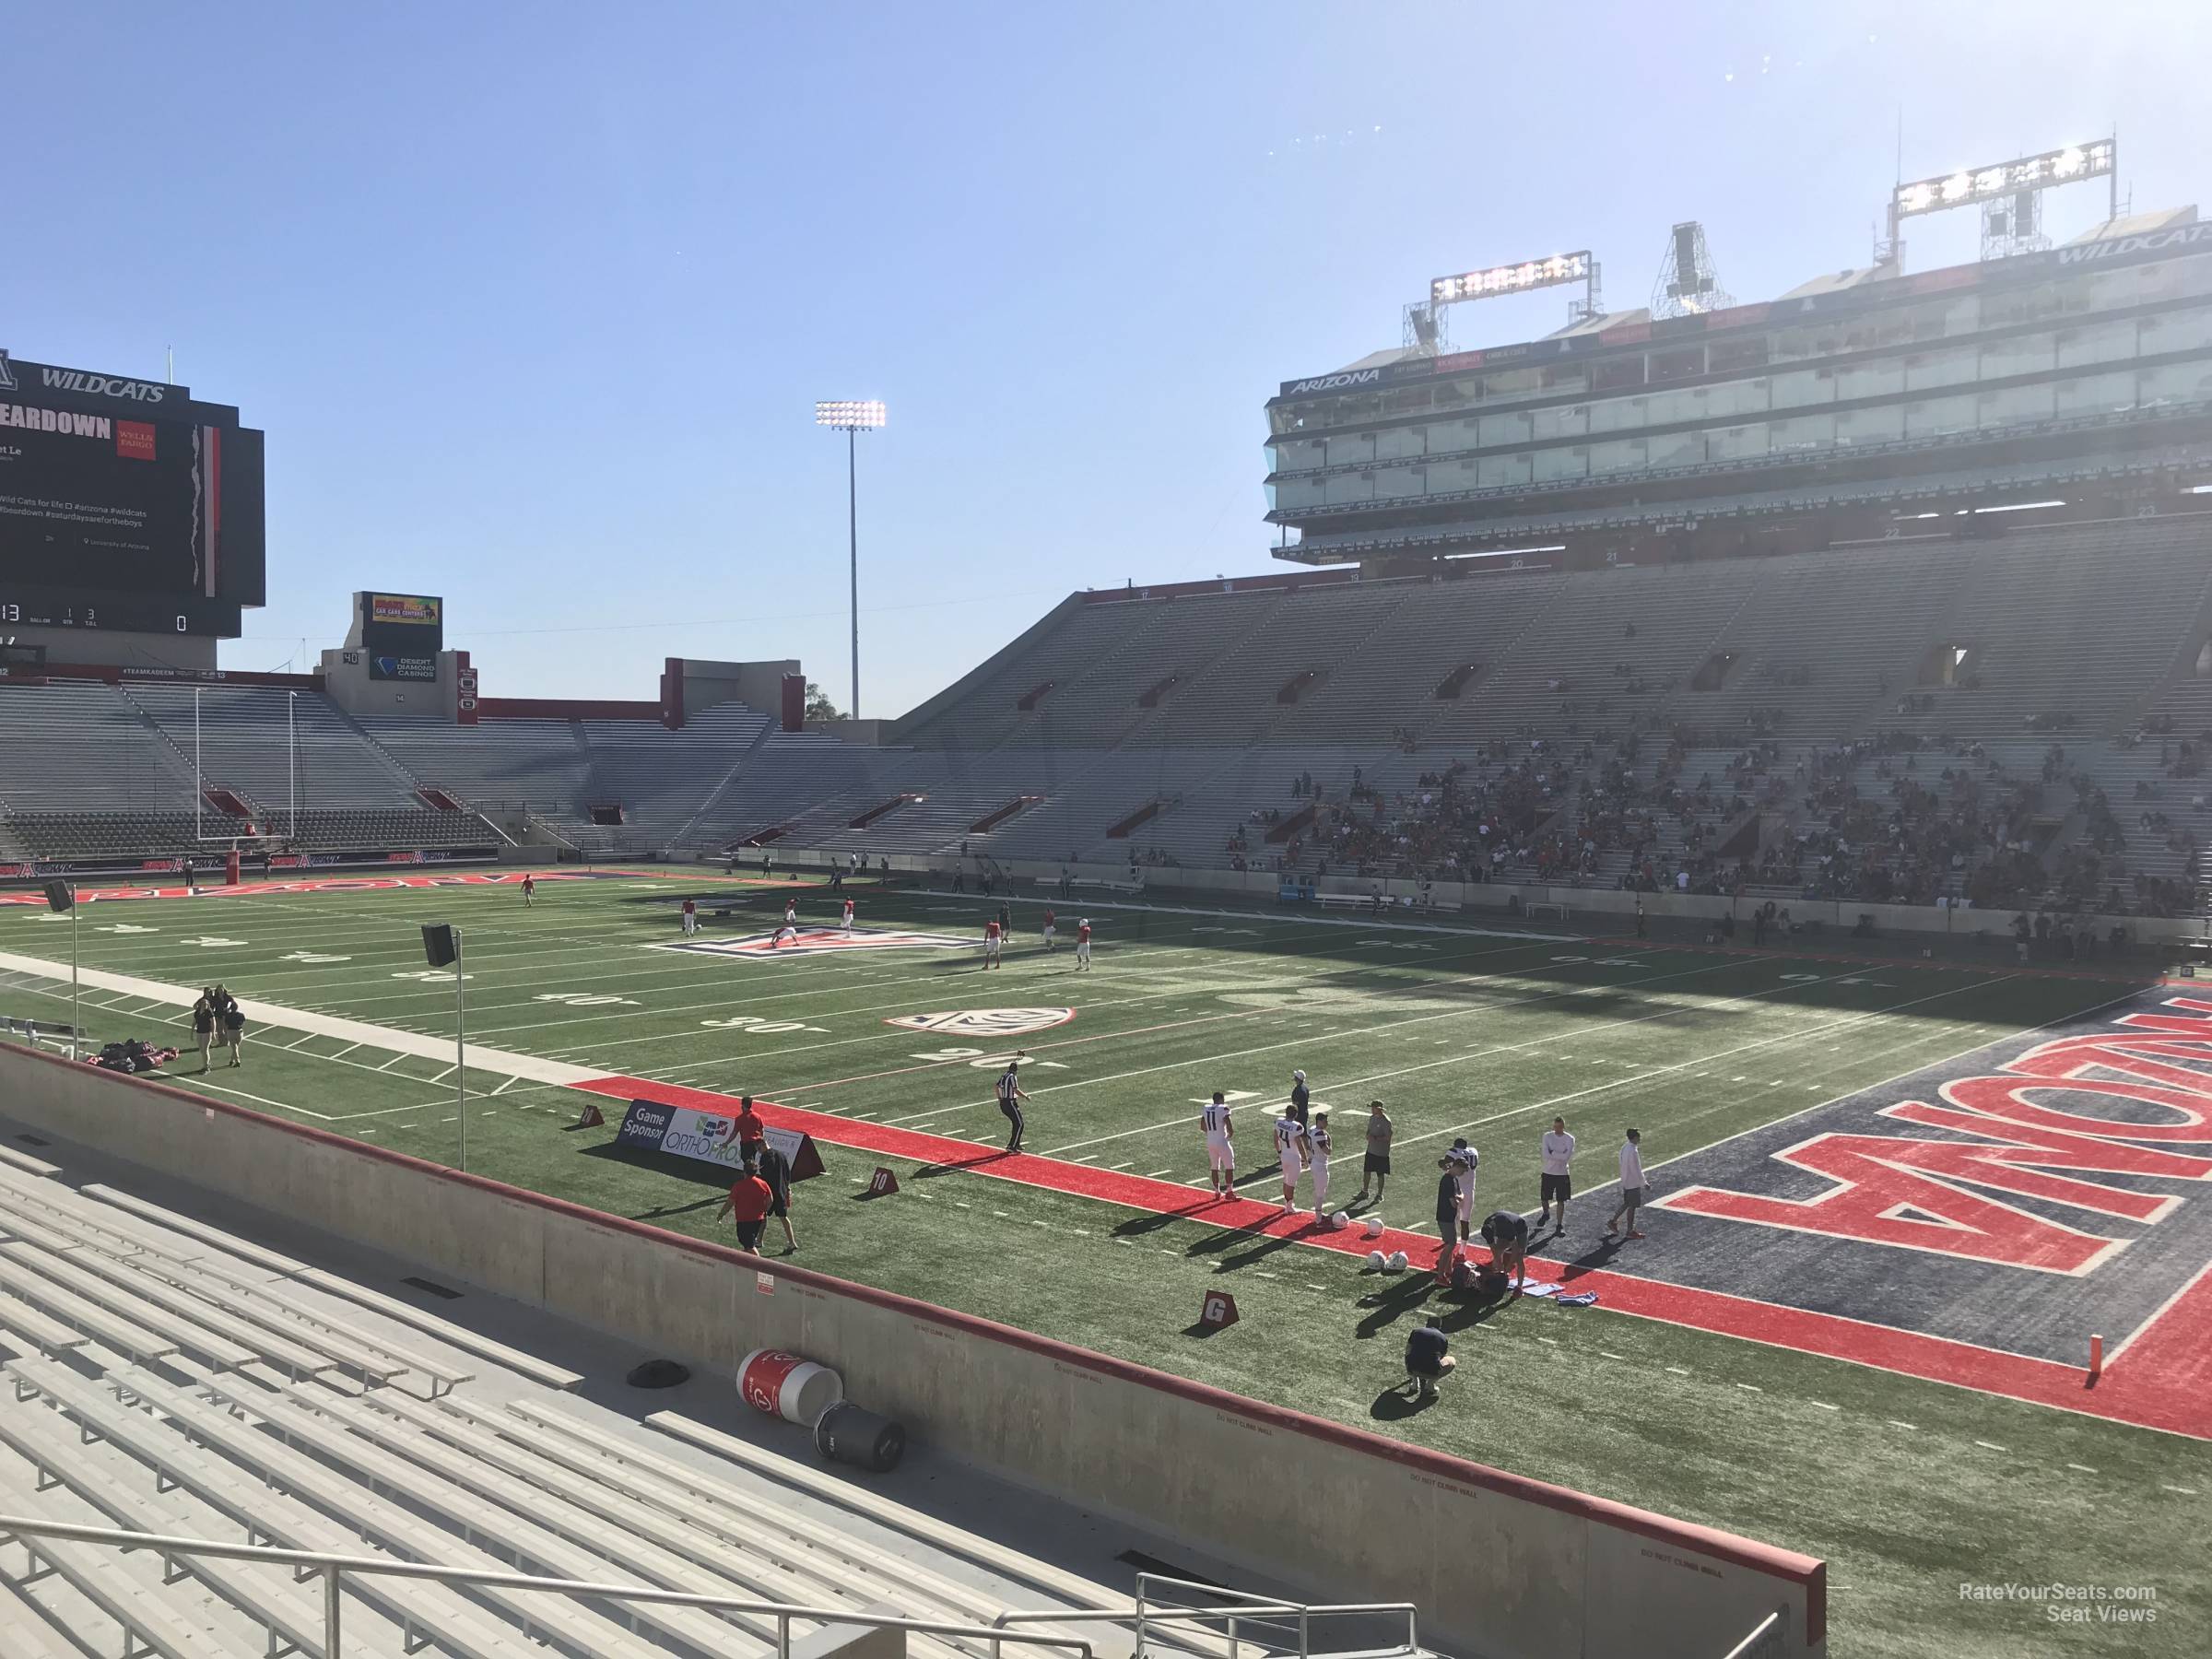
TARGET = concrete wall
x,y
758,686
1500,1566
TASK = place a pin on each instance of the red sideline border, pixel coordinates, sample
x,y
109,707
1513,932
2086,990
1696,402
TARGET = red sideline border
x,y
1806,1570
2162,1377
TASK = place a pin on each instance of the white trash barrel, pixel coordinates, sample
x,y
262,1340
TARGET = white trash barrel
x,y
787,1386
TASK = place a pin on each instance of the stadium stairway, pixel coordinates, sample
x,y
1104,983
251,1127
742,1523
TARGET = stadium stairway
x,y
172,1366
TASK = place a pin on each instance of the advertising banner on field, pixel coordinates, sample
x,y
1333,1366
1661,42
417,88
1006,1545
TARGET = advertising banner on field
x,y
708,1138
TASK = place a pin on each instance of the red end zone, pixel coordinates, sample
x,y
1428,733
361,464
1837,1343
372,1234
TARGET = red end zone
x,y
2161,1379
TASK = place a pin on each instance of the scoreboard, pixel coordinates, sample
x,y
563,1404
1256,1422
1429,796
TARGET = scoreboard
x,y
125,505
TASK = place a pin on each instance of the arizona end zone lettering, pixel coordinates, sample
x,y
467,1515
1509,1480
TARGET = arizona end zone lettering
x,y
2078,1123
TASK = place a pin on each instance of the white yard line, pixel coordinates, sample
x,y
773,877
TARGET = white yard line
x,y
276,1015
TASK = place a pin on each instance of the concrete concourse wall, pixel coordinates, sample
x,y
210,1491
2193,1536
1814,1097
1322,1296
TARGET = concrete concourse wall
x,y
1499,1566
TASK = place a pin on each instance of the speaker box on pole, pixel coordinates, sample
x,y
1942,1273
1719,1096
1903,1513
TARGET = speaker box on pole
x,y
59,896
437,945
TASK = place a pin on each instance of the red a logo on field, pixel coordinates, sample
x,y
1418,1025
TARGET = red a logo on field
x,y
1930,1194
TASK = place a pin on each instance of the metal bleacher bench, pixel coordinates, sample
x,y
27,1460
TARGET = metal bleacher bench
x,y
270,1514
96,1227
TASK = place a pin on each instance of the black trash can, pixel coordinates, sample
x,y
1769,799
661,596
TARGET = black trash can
x,y
846,1435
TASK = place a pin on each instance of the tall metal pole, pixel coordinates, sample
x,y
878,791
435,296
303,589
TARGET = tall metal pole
x,y
77,1007
291,731
852,524
199,776
460,1045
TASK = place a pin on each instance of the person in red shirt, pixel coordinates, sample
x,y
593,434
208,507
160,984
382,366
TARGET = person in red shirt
x,y
1082,945
1048,928
751,1131
529,890
848,917
748,1203
690,917
991,944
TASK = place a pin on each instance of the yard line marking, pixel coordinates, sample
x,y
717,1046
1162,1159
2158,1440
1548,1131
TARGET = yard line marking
x,y
1603,1355
1991,1446
2081,1468
1552,1341
1751,1388
1156,1174
1131,1164
1678,1370
960,1204
1824,1405
1895,1424
1002,1215
2184,1491
261,1099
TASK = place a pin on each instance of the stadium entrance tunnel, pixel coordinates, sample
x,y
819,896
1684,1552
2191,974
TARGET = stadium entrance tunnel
x,y
1453,684
999,815
1950,663
883,809
1123,828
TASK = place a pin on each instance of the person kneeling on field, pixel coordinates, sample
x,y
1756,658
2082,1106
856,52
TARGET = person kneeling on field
x,y
1429,1360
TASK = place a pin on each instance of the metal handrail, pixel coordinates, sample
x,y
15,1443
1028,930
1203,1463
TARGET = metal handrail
x,y
1249,1604
334,1568
1765,1637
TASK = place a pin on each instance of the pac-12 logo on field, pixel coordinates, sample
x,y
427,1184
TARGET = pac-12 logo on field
x,y
986,1022
823,941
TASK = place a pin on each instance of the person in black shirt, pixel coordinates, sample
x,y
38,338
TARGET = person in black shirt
x,y
203,1024
1301,1098
1447,1218
775,1169
1506,1235
1428,1360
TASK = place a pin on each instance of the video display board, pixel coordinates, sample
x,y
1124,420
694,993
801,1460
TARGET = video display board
x,y
402,635
125,504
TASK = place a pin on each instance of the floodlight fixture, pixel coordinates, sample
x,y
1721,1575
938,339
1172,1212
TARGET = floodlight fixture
x,y
1517,278
1970,184
850,414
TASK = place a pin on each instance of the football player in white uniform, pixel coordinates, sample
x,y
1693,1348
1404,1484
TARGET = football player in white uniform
x,y
1220,1146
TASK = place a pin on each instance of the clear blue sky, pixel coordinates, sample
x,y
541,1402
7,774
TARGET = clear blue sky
x,y
535,302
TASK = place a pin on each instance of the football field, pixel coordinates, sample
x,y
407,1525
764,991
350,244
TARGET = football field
x,y
1879,1237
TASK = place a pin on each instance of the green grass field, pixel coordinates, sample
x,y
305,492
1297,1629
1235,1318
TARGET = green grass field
x,y
1909,1489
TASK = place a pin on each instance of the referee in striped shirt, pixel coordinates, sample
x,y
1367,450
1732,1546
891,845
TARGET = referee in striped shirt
x,y
1009,1101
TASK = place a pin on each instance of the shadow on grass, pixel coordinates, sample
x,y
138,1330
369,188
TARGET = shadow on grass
x,y
1400,1400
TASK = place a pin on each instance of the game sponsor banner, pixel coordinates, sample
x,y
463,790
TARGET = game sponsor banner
x,y
708,1137
2017,1198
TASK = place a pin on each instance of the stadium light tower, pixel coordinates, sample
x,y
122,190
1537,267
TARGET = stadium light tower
x,y
853,417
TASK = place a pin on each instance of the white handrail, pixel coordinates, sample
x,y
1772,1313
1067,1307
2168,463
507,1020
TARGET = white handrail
x,y
1249,1604
335,1567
